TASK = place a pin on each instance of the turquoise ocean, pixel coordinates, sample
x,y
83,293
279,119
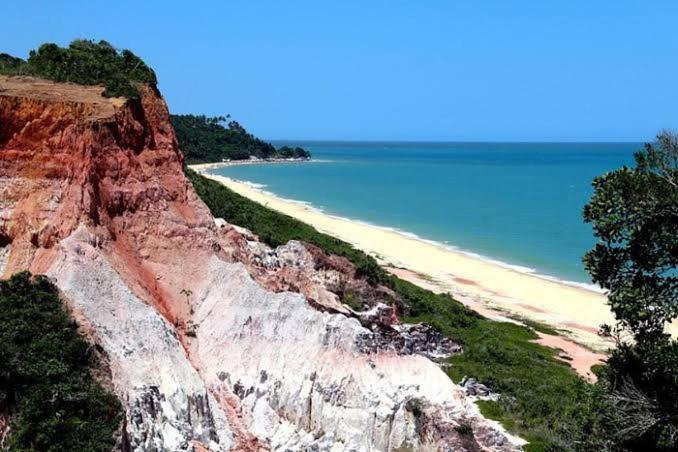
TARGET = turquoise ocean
x,y
519,204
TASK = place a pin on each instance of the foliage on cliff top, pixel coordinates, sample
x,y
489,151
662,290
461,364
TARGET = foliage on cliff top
x,y
86,63
45,382
204,139
542,400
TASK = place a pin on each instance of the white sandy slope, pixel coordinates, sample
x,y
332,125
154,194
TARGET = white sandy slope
x,y
168,406
478,282
262,365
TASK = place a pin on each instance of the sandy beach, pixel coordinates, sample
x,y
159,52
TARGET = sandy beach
x,y
494,290
202,167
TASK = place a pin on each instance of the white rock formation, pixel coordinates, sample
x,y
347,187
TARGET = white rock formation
x,y
296,375
303,381
167,404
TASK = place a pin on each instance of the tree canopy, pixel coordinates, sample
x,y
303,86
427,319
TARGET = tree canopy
x,y
634,213
84,62
205,139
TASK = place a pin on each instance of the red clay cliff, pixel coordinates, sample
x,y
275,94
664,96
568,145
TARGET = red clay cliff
x,y
208,347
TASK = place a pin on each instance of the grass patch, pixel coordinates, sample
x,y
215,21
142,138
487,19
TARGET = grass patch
x,y
352,301
542,399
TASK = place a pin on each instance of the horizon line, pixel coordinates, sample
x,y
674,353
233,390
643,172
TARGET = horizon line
x,y
328,140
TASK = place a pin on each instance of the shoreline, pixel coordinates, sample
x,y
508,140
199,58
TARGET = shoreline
x,y
496,290
472,279
202,167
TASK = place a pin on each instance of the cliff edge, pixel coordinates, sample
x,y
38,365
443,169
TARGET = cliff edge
x,y
207,349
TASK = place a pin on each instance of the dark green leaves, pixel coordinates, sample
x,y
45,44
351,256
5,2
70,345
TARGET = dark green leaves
x,y
634,213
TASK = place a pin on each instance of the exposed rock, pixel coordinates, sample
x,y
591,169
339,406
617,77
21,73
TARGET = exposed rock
x,y
380,314
214,341
4,428
304,268
167,404
291,267
408,339
318,383
4,257
473,388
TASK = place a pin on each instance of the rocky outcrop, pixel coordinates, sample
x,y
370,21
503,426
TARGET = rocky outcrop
x,y
306,269
214,341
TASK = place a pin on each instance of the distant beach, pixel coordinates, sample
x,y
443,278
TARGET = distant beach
x,y
209,166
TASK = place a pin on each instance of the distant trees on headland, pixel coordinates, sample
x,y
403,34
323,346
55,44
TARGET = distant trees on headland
x,y
205,139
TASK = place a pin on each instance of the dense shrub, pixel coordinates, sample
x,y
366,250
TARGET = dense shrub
x,y
45,383
86,63
203,139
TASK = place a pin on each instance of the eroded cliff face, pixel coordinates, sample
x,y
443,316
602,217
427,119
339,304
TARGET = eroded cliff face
x,y
207,348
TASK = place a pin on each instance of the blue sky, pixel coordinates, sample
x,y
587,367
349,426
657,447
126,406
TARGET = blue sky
x,y
393,70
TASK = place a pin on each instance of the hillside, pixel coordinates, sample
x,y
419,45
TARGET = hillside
x,y
207,140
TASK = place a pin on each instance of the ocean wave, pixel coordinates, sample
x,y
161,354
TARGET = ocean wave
x,y
411,235
255,185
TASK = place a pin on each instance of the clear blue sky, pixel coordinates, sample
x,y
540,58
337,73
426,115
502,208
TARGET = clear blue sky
x,y
402,70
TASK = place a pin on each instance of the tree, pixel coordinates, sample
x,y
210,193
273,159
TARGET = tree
x,y
187,293
634,213
213,139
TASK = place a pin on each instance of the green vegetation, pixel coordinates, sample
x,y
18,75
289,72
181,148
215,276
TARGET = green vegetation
x,y
204,140
542,398
44,374
634,213
351,300
86,63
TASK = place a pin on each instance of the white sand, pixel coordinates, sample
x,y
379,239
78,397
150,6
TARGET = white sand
x,y
481,284
202,167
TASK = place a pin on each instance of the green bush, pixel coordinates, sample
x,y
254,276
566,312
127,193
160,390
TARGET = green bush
x,y
86,63
44,374
203,139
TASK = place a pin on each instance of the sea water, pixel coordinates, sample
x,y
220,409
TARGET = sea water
x,y
516,203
